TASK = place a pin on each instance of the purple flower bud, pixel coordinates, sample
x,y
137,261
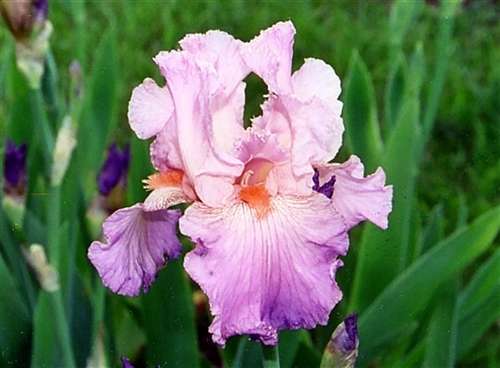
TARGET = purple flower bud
x,y
40,9
342,349
325,189
349,339
114,170
22,16
126,363
14,167
76,77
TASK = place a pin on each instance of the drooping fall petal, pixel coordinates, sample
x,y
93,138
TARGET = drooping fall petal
x,y
137,244
270,273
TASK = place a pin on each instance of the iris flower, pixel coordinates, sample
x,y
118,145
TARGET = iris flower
x,y
269,215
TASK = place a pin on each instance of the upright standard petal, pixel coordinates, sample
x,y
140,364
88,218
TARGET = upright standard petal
x,y
318,125
315,78
137,244
222,51
149,109
211,170
269,55
358,198
264,274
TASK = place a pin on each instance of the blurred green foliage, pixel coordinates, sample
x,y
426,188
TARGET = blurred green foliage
x,y
422,98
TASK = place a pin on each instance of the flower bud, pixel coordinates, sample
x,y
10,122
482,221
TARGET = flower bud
x,y
14,168
126,363
114,169
45,272
65,143
22,16
342,349
14,174
76,79
112,178
27,21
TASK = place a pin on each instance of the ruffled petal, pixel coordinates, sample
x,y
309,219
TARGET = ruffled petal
x,y
137,244
149,109
315,112
358,198
311,130
269,55
315,78
270,273
317,134
222,51
211,170
258,143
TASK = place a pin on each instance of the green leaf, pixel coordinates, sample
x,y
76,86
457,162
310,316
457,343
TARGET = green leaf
x,y
479,304
289,342
169,320
248,354
473,327
5,60
444,47
14,320
98,117
51,336
403,14
363,133
13,253
442,336
433,231
407,295
383,254
394,93
486,282
270,357
416,71
45,351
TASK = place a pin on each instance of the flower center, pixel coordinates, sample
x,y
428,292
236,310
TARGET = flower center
x,y
253,190
255,172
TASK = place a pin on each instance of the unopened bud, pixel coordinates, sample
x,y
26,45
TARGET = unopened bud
x,y
30,54
23,16
14,168
126,363
76,78
65,144
342,349
46,274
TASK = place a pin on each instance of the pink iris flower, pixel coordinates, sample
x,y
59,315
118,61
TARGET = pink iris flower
x,y
268,213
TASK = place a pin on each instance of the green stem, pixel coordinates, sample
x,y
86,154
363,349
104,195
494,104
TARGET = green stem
x,y
270,357
99,298
62,329
41,122
53,224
